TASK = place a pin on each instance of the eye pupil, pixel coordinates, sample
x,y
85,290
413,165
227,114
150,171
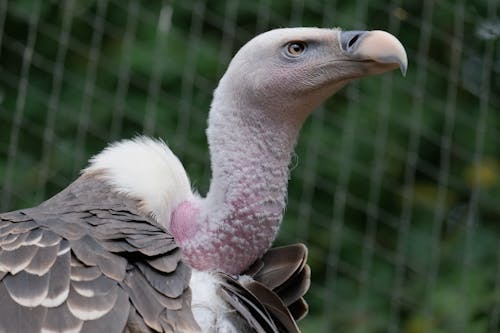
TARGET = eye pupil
x,y
296,48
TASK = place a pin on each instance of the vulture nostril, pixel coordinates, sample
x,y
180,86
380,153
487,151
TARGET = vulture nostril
x,y
353,40
349,39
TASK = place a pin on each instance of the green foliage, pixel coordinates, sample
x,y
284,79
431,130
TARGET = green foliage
x,y
395,192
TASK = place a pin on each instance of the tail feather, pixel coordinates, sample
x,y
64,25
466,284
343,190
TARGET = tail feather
x,y
269,296
291,261
295,287
248,305
299,309
280,264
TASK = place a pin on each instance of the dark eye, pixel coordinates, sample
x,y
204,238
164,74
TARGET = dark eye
x,y
295,49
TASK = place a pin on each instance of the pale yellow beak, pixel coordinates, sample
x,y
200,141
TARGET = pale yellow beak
x,y
376,45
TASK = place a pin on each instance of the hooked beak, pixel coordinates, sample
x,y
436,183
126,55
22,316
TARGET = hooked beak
x,y
378,46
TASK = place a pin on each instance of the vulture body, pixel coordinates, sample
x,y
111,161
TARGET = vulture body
x,y
129,247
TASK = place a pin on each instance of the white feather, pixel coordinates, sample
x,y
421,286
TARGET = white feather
x,y
206,304
147,170
211,312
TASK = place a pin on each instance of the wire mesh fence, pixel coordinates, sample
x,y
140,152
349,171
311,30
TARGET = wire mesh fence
x,y
395,186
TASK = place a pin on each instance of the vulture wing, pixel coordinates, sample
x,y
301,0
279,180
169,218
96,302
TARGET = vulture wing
x,y
87,260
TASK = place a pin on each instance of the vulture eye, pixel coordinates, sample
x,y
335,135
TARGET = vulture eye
x,y
296,49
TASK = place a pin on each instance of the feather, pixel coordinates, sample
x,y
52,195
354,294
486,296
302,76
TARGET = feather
x,y
34,236
99,286
291,290
135,323
49,239
75,262
63,247
7,239
91,308
59,281
114,321
280,264
171,285
61,320
166,263
274,305
142,296
171,303
84,273
17,223
16,216
181,319
16,316
16,242
247,306
33,296
43,260
91,253
118,246
60,228
296,286
16,260
299,309
152,245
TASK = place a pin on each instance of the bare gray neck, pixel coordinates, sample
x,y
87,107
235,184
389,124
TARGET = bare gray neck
x,y
250,156
241,215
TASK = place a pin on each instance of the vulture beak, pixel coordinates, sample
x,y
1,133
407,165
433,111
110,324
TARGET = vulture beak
x,y
377,45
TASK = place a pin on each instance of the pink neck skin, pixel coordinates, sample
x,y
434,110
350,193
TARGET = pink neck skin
x,y
240,217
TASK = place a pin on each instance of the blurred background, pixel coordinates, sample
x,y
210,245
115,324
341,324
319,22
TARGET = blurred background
x,y
395,187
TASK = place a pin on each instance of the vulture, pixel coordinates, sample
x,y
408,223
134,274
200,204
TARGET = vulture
x,y
130,247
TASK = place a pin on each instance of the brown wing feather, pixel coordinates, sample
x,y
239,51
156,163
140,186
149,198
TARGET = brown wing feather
x,y
94,263
269,297
291,262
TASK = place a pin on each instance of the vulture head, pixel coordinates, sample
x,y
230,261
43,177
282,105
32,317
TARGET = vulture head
x,y
284,74
269,88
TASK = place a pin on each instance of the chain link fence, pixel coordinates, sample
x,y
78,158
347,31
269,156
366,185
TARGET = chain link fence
x,y
395,186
